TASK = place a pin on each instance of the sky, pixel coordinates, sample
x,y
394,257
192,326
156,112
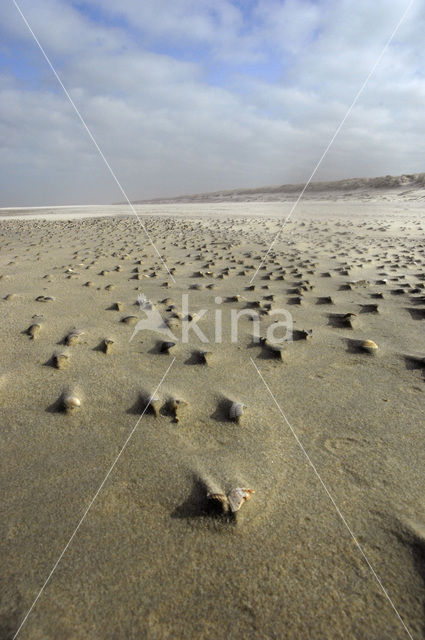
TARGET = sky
x,y
188,96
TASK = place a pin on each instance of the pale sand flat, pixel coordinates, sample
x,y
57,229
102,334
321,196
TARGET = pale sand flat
x,y
161,553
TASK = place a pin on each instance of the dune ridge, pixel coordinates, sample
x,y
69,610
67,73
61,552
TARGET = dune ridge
x,y
412,186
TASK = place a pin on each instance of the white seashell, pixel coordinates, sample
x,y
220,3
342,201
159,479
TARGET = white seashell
x,y
235,411
74,336
237,497
34,330
71,402
60,359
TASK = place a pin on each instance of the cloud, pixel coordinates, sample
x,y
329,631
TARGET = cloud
x,y
188,96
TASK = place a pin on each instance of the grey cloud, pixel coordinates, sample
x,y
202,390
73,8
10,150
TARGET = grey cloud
x,y
167,130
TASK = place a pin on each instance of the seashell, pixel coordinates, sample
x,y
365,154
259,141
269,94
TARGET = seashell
x,y
107,345
44,299
219,501
204,357
237,497
60,359
370,308
369,346
89,283
166,346
131,320
174,405
275,350
73,337
10,296
235,411
305,334
118,306
34,330
71,402
109,287
349,320
153,406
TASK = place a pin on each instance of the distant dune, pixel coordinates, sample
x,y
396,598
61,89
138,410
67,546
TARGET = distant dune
x,y
406,186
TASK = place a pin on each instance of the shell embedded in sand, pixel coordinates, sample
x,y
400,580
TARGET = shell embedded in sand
x,y
303,334
129,320
44,299
175,405
60,359
369,346
237,497
236,410
107,345
71,402
349,320
204,357
34,330
149,403
275,350
166,346
118,306
73,337
153,405
219,500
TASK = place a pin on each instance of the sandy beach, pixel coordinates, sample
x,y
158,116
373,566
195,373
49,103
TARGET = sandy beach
x,y
161,553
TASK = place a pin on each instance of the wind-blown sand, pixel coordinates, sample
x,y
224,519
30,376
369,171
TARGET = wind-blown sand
x,y
153,558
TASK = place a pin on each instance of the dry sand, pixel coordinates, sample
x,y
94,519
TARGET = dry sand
x,y
152,559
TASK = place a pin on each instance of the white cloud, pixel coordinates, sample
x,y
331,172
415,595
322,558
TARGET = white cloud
x,y
196,95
